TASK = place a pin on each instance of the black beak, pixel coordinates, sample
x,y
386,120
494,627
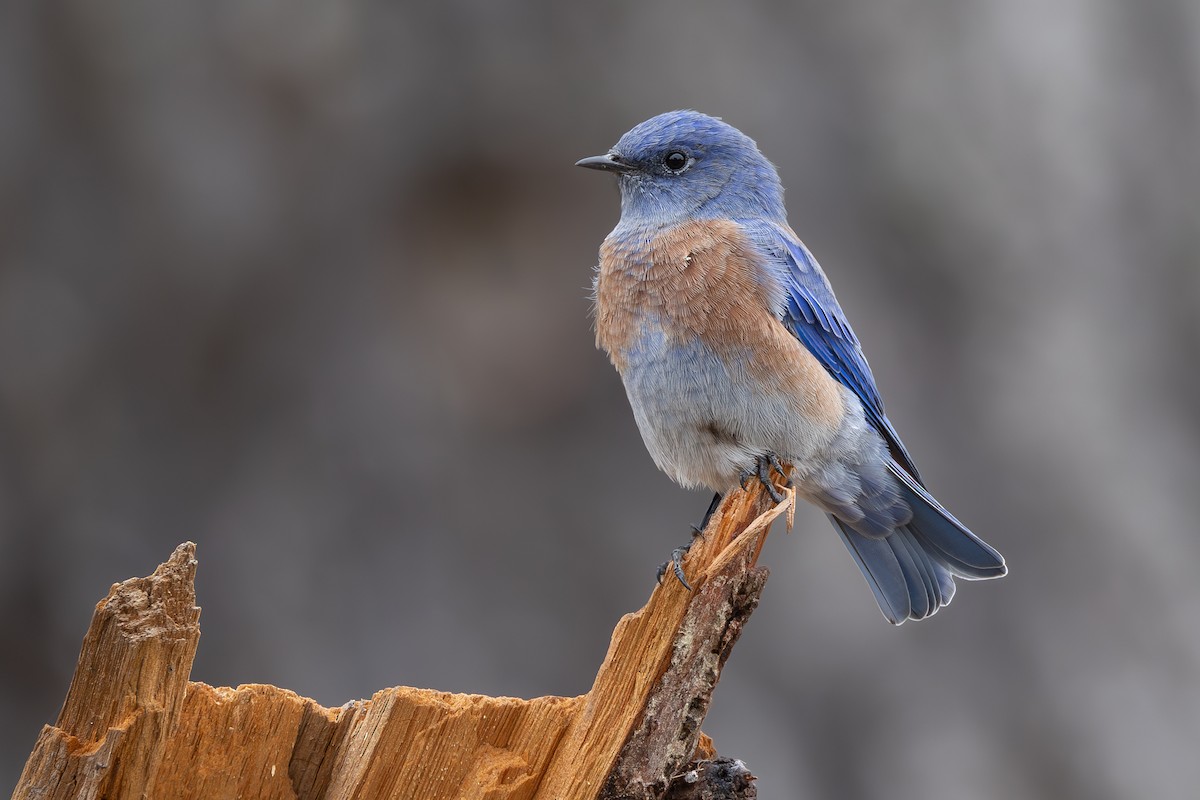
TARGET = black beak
x,y
608,163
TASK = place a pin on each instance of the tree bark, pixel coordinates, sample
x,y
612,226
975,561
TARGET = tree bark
x,y
133,726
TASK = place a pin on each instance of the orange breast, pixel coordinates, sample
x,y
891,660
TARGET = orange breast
x,y
702,281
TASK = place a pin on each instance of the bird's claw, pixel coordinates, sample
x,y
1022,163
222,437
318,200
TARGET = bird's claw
x,y
763,466
787,479
676,564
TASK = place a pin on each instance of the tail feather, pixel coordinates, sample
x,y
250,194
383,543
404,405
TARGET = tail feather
x,y
944,537
912,570
921,604
924,570
878,563
907,582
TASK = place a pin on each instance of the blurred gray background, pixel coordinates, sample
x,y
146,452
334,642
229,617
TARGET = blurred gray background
x,y
306,282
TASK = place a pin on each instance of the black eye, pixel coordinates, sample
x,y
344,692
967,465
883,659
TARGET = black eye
x,y
675,161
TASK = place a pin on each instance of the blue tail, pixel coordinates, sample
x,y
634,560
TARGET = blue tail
x,y
912,569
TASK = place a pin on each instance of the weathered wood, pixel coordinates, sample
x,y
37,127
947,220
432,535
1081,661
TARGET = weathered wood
x,y
127,691
665,737
718,779
133,726
663,663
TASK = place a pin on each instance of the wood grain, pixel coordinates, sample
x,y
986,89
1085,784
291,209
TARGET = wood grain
x,y
133,726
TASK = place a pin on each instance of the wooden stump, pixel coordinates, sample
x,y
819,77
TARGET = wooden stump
x,y
133,726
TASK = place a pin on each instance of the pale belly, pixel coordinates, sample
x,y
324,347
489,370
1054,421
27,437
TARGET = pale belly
x,y
705,421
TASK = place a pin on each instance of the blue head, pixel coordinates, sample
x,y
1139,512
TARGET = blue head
x,y
687,165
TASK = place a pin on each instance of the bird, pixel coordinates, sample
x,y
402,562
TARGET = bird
x,y
737,359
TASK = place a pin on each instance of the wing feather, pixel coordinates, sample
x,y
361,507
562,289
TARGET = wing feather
x,y
812,314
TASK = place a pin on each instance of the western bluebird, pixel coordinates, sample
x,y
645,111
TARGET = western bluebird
x,y
736,357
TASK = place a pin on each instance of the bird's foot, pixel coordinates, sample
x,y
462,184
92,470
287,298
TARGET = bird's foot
x,y
763,466
676,561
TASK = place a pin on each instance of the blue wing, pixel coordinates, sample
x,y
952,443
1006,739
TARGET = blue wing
x,y
812,314
911,570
